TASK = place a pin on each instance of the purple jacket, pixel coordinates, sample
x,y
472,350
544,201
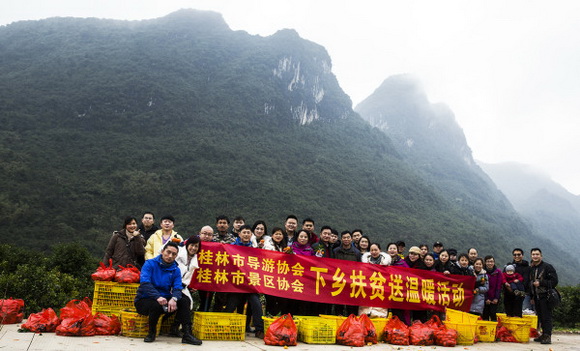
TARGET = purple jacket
x,y
305,250
495,284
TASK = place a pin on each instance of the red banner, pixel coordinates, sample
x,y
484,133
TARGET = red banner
x,y
231,268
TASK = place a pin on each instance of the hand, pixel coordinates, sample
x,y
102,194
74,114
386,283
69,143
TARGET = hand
x,y
171,305
487,302
162,301
536,283
494,302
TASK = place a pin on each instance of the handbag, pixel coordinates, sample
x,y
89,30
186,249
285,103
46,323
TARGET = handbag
x,y
554,298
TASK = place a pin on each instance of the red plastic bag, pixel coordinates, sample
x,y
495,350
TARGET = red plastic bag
x,y
105,273
351,332
128,274
396,332
534,333
11,311
504,334
282,332
77,319
105,325
44,321
370,331
445,337
421,334
434,323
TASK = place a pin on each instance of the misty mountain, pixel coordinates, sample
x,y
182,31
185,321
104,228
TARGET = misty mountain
x,y
430,140
102,119
550,208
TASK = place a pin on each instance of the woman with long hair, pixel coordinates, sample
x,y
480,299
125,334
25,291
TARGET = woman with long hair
x,y
126,246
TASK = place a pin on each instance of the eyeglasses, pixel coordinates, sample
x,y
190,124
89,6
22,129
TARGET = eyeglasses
x,y
517,254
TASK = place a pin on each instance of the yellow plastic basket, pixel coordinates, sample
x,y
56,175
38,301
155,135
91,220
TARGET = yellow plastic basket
x,y
380,324
486,331
317,330
456,316
337,319
519,327
532,320
268,321
136,325
465,332
113,297
219,326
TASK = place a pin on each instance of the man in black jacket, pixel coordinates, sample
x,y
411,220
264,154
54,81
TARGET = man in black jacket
x,y
543,277
514,304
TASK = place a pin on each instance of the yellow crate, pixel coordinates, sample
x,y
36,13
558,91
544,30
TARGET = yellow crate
x,y
519,327
136,325
107,311
532,319
166,323
114,296
380,324
486,331
337,319
465,332
317,330
219,326
456,316
268,321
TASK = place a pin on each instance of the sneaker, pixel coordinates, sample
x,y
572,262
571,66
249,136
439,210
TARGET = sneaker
x,y
260,334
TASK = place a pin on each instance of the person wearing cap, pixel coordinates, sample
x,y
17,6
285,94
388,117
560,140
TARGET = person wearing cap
x,y
437,248
161,237
413,259
452,255
523,268
401,248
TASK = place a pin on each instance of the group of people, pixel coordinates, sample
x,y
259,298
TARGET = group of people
x,y
162,252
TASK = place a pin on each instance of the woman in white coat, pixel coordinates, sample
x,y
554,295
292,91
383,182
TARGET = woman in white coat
x,y
375,256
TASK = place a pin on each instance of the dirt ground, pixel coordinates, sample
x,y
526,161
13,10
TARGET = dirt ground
x,y
11,339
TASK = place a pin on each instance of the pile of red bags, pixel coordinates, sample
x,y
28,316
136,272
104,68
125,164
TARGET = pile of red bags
x,y
396,332
442,335
503,334
128,274
104,273
44,321
352,332
421,334
105,325
77,319
282,332
11,311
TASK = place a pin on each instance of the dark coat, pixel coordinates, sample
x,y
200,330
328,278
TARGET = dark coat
x,y
124,251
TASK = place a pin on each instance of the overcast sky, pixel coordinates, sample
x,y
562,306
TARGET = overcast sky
x,y
508,69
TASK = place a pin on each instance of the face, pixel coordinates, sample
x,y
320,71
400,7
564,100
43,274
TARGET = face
x,y
291,225
147,220
478,265
169,254
356,236
444,257
246,235
131,227
518,256
375,251
424,250
453,257
489,263
325,235
536,256
429,261
393,250
259,230
346,240
206,234
167,224
222,225
400,249
277,236
364,243
510,272
333,238
413,256
192,249
472,254
302,238
437,249
308,226
237,224
463,261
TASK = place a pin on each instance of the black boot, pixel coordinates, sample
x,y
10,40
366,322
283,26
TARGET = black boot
x,y
188,338
547,339
539,338
152,330
174,330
